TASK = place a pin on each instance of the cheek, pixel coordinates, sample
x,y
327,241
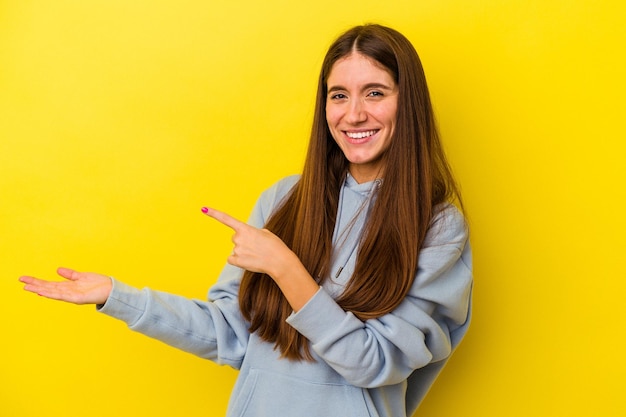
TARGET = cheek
x,y
388,115
331,117
331,124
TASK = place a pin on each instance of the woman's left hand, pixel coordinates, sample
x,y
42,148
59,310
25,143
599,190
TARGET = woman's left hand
x,y
259,250
256,250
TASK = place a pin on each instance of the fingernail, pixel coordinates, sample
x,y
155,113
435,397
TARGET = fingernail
x,y
205,210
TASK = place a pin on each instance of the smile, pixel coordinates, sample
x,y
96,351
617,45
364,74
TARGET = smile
x,y
361,135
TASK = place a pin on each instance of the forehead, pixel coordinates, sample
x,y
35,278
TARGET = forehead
x,y
357,68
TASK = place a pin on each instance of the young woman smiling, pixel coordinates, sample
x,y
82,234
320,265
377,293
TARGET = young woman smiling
x,y
350,286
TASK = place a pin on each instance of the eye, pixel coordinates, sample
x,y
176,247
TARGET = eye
x,y
338,96
375,93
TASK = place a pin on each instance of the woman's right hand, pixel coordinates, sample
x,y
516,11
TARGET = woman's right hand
x,y
80,287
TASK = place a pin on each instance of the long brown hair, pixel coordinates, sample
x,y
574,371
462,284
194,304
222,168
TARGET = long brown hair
x,y
416,179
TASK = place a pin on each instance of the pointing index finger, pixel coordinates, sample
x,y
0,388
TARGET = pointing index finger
x,y
224,218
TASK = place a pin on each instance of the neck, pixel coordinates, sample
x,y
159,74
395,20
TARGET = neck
x,y
362,176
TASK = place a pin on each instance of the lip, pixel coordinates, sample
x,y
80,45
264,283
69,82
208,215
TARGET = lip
x,y
356,137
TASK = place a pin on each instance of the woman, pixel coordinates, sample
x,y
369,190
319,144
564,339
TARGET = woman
x,y
350,286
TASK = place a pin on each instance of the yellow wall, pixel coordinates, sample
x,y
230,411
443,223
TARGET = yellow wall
x,y
120,119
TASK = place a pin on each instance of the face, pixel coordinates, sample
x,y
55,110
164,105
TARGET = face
x,y
361,111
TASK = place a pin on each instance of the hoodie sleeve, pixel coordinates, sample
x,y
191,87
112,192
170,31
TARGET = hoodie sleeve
x,y
423,329
213,329
210,329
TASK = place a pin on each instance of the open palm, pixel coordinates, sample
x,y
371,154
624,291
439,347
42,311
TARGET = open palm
x,y
79,287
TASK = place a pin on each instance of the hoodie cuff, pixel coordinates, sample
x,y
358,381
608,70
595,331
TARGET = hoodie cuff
x,y
319,315
125,303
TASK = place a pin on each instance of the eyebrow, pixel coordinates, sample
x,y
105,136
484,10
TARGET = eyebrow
x,y
365,87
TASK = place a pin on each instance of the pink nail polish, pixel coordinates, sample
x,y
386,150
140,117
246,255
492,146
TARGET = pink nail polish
x,y
204,210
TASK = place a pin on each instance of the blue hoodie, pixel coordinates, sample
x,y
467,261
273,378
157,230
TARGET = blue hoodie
x,y
378,367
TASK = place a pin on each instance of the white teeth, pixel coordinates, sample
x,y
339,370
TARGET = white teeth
x,y
360,135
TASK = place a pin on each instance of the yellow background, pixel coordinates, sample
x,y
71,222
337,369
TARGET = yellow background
x,y
120,119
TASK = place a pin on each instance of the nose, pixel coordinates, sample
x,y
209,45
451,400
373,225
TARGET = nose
x,y
356,112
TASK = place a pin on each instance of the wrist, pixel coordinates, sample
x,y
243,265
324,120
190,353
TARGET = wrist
x,y
295,282
286,267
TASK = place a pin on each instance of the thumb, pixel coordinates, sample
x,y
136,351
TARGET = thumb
x,y
67,273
